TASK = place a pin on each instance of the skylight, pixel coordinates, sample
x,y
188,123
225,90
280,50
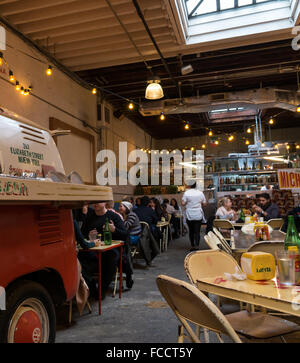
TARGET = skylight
x,y
207,21
202,7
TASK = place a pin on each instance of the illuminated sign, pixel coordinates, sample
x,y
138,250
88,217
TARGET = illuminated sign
x,y
289,178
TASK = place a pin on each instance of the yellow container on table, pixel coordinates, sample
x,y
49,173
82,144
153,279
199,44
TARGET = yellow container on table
x,y
258,265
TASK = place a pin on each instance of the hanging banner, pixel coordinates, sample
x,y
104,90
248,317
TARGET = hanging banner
x,y
289,178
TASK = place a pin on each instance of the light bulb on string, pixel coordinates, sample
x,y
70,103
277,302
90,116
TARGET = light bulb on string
x,y
11,76
131,106
18,87
271,121
210,133
162,117
230,138
22,90
1,59
249,130
217,142
49,71
203,146
187,126
94,91
298,108
247,142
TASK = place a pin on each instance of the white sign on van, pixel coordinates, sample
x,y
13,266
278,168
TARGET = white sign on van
x,y
2,38
2,298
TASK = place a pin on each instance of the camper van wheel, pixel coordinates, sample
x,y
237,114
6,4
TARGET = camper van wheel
x,y
29,316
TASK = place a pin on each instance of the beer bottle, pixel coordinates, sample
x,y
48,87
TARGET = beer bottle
x,y
107,233
292,244
292,238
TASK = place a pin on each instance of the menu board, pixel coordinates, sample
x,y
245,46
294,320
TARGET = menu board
x,y
289,178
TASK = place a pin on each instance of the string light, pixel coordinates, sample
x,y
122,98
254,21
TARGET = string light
x,y
18,87
94,91
271,121
210,133
298,108
187,126
288,147
249,130
162,117
263,144
203,146
11,76
22,90
247,142
49,71
192,148
297,146
1,59
217,142
131,106
231,138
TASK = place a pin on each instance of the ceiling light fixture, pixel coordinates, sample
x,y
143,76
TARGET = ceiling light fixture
x,y
154,90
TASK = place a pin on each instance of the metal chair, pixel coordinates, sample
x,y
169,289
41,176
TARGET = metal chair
x,y
268,247
191,306
276,223
220,240
223,223
211,243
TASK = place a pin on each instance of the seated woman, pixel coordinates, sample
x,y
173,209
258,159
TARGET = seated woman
x,y
131,220
225,210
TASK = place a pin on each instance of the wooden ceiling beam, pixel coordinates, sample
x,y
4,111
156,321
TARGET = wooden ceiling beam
x,y
15,7
140,38
54,19
101,48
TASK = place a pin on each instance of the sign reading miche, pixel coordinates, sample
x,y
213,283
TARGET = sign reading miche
x,y
289,178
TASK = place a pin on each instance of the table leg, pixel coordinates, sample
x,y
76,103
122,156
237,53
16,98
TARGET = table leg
x,y
121,273
99,282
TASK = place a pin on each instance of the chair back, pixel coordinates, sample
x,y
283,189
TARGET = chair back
x,y
144,225
268,247
211,243
223,223
191,306
276,223
169,217
209,263
224,243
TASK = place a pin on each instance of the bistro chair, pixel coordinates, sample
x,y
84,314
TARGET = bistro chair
x,y
276,223
221,241
191,306
223,224
211,243
268,247
210,263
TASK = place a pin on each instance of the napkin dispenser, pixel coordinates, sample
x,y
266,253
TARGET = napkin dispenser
x,y
258,265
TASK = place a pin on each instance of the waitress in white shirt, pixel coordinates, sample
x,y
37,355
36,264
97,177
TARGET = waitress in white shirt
x,y
193,200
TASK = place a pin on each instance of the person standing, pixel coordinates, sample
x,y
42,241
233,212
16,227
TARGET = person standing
x,y
193,200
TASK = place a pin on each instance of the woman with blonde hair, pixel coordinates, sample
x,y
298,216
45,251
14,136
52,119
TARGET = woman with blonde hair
x,y
225,210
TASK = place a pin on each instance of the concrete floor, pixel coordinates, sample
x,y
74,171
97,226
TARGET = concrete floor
x,y
141,316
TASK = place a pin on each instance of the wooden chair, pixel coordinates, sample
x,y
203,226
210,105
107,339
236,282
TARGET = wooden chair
x,y
276,223
170,226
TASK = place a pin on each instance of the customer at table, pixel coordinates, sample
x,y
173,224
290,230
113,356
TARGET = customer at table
x,y
131,220
175,222
147,214
225,210
193,200
94,223
265,208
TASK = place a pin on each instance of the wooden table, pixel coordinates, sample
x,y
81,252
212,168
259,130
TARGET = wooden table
x,y
243,241
268,294
99,251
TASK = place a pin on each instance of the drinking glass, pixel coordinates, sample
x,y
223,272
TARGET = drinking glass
x,y
285,268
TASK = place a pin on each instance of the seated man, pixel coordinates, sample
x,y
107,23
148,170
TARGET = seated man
x,y
266,208
147,214
95,222
174,221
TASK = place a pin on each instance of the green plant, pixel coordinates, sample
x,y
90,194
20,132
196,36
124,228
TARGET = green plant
x,y
155,190
139,190
172,189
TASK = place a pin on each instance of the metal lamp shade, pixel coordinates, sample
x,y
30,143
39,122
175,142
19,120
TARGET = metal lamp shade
x,y
154,91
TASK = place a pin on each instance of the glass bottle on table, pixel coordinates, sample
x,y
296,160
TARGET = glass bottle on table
x,y
107,235
292,244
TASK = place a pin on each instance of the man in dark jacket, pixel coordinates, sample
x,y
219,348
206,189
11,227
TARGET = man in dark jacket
x,y
94,221
147,214
266,208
